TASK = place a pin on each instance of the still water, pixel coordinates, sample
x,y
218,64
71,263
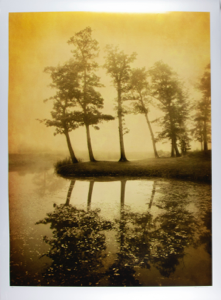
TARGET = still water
x,y
151,232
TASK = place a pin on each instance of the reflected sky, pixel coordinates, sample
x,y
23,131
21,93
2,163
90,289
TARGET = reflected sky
x,y
117,233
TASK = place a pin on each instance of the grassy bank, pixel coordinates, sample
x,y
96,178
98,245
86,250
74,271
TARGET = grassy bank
x,y
194,167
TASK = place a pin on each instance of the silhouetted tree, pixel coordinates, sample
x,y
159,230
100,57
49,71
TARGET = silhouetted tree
x,y
203,107
139,90
197,130
89,99
172,100
65,79
118,66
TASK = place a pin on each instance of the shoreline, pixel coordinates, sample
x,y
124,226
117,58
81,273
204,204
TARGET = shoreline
x,y
182,168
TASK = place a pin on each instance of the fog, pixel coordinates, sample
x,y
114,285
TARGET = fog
x,y
38,40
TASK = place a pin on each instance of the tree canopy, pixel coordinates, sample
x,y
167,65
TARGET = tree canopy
x,y
64,118
171,98
202,118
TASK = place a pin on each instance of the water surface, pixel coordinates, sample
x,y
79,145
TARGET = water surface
x,y
149,232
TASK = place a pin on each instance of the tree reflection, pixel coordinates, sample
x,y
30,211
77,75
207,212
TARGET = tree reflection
x,y
72,183
45,182
152,194
176,231
205,237
121,272
91,186
76,246
145,240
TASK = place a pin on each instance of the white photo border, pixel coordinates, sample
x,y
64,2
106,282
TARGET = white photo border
x,y
201,293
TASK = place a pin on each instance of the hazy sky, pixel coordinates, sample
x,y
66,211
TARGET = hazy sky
x,y
38,40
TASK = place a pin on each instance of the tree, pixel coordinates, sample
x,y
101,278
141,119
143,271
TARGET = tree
x,y
65,81
184,141
197,130
89,100
118,66
172,100
139,91
203,107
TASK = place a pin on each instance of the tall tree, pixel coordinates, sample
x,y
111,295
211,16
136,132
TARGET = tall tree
x,y
197,130
203,106
172,100
89,99
64,119
118,66
139,93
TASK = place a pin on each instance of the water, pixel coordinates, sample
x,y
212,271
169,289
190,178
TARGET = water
x,y
151,232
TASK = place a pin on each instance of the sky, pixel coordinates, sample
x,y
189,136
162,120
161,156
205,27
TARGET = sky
x,y
38,40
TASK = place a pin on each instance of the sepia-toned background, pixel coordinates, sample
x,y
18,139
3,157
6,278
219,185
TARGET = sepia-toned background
x,y
38,40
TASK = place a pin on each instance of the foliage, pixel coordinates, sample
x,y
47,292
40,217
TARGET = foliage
x,y
65,81
78,101
118,66
171,98
197,130
202,119
89,100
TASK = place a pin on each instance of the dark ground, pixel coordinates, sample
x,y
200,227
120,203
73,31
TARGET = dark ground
x,y
195,166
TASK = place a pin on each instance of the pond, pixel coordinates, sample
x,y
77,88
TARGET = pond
x,y
149,232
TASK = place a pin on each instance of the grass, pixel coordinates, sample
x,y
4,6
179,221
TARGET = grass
x,y
195,166
62,163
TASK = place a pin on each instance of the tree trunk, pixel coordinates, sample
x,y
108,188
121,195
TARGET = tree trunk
x,y
173,140
205,143
176,149
122,151
89,144
90,195
150,128
172,148
152,137
71,151
69,192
